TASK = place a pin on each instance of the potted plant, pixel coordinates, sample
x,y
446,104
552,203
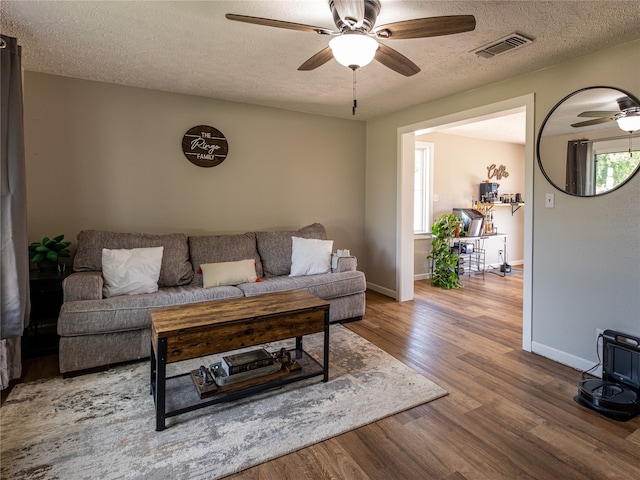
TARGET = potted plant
x,y
46,254
445,261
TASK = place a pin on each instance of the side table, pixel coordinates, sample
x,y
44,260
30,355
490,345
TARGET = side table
x,y
41,336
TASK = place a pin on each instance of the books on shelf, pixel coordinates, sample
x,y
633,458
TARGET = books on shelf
x,y
247,361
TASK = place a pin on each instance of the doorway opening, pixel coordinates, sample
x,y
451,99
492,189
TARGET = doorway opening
x,y
456,123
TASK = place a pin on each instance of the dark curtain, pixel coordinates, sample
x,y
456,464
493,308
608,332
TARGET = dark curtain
x,y
576,177
14,269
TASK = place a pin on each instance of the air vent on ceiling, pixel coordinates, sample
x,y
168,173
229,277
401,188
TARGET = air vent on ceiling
x,y
502,45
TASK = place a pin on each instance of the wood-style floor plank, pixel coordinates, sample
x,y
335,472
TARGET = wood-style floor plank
x,y
509,413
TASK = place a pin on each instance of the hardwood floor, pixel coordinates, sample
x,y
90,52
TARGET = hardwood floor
x,y
509,414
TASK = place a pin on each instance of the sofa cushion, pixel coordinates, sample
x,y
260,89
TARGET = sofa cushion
x,y
131,271
275,247
176,268
228,273
131,312
222,248
325,286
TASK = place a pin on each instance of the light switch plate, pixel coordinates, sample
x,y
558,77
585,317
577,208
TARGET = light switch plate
x,y
549,200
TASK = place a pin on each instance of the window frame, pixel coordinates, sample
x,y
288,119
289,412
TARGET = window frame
x,y
426,192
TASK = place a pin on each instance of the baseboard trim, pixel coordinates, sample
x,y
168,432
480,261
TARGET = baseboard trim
x,y
565,358
498,265
383,290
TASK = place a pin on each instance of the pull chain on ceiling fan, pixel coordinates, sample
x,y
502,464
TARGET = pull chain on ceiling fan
x,y
355,40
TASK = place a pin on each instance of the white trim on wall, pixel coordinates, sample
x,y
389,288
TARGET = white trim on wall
x,y
382,290
565,358
404,237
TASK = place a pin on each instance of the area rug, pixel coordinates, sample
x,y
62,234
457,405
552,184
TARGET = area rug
x,y
103,425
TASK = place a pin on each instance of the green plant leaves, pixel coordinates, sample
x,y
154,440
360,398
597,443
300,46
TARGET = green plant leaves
x,y
445,262
49,249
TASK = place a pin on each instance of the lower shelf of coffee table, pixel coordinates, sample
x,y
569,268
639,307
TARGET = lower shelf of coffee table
x,y
305,365
182,395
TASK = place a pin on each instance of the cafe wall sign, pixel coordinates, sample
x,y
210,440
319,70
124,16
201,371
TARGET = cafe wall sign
x,y
496,172
205,146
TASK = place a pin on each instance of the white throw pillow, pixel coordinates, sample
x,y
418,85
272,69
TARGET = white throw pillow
x,y
131,271
310,256
228,273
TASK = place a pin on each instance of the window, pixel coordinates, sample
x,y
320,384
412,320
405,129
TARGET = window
x,y
423,185
613,168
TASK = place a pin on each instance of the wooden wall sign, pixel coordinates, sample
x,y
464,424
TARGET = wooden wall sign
x,y
205,146
497,172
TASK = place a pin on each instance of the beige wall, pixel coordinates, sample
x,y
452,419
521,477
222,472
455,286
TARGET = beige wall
x,y
103,156
460,164
585,272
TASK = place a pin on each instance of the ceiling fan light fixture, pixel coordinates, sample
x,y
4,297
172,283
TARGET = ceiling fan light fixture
x,y
353,49
629,121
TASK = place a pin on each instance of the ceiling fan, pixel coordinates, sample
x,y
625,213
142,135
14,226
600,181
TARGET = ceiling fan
x,y
628,117
354,43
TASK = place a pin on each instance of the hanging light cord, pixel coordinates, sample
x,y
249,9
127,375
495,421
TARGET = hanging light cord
x,y
355,102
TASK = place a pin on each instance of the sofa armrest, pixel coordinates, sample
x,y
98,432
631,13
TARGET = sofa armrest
x,y
83,286
344,264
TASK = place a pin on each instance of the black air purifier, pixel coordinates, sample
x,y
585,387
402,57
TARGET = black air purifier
x,y
617,395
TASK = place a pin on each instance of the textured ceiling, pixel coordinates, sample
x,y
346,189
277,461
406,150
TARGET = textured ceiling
x,y
189,47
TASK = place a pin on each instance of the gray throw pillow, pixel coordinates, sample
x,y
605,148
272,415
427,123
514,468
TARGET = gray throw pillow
x,y
176,268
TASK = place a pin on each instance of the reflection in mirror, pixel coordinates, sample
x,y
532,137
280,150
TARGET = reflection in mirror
x,y
582,148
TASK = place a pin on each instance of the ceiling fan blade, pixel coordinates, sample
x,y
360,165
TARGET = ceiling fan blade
x,y
268,22
351,12
597,114
426,27
396,61
596,121
319,59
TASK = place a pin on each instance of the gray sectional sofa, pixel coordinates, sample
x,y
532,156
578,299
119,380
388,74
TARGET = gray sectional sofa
x,y
96,331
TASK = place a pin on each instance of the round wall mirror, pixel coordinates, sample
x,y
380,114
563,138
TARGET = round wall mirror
x,y
582,147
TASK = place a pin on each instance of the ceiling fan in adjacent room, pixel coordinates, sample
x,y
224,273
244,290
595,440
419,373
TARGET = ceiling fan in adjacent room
x,y
628,117
354,43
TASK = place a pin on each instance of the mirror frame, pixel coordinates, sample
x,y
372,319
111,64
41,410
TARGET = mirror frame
x,y
548,117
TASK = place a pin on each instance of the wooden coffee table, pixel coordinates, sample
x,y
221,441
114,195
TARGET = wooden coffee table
x,y
190,331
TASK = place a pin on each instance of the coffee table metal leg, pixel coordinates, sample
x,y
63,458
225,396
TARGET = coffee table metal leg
x,y
298,347
326,346
161,379
152,380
